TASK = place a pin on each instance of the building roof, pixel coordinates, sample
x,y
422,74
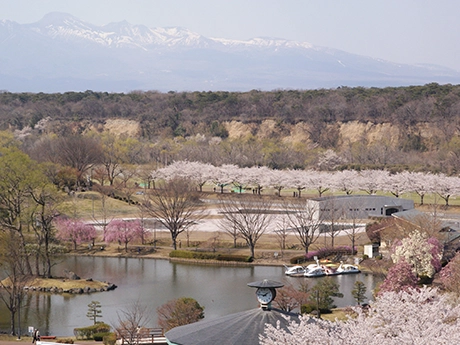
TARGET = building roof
x,y
239,328
388,199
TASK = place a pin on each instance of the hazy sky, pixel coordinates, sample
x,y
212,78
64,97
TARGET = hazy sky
x,y
405,31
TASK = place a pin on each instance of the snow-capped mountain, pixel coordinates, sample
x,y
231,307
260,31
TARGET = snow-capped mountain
x,y
60,53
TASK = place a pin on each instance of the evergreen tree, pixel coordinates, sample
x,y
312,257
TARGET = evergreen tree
x,y
322,294
94,311
359,292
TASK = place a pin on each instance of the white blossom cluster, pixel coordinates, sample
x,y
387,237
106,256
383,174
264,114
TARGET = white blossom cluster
x,y
417,251
418,317
348,181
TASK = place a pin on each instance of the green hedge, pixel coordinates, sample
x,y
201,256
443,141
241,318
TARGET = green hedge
x,y
310,307
90,331
184,254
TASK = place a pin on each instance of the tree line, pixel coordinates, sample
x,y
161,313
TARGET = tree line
x,y
192,125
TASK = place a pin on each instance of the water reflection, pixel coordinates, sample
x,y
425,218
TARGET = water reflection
x,y
221,290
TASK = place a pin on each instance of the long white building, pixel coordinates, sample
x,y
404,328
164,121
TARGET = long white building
x,y
357,206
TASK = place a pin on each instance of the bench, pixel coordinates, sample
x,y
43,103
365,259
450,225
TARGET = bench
x,y
47,337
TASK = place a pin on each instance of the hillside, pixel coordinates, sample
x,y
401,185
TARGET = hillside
x,y
413,126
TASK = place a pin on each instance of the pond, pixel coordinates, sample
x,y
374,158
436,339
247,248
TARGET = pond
x,y
153,282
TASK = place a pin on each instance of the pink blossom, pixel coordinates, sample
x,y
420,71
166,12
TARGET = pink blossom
x,y
74,230
123,231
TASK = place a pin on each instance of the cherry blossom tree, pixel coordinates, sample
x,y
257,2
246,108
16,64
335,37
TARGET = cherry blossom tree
x,y
395,184
446,186
224,175
123,231
257,177
344,181
422,316
422,254
74,230
298,179
321,181
419,183
400,277
370,181
329,160
450,275
278,180
200,173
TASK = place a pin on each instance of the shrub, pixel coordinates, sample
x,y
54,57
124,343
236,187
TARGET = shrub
x,y
209,256
100,336
65,341
110,339
328,251
90,331
193,255
310,308
307,308
239,258
298,260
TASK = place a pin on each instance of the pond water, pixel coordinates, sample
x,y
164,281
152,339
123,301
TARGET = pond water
x,y
153,282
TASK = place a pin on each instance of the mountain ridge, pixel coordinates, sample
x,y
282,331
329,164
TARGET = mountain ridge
x,y
62,47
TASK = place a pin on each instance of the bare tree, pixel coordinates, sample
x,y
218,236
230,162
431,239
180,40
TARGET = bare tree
x,y
78,152
19,175
131,321
112,156
304,221
177,206
354,232
12,259
234,234
334,212
103,220
42,217
282,232
289,298
250,216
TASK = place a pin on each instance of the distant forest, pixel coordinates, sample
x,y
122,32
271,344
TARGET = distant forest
x,y
192,125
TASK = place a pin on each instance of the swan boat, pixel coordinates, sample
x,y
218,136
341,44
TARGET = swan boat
x,y
294,271
347,269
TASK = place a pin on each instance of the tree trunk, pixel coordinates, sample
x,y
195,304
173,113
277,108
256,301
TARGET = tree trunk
x,y
12,323
253,250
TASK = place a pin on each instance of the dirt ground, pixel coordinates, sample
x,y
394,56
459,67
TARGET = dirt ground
x,y
268,249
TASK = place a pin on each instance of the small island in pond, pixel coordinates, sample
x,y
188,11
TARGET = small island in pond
x,y
71,283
